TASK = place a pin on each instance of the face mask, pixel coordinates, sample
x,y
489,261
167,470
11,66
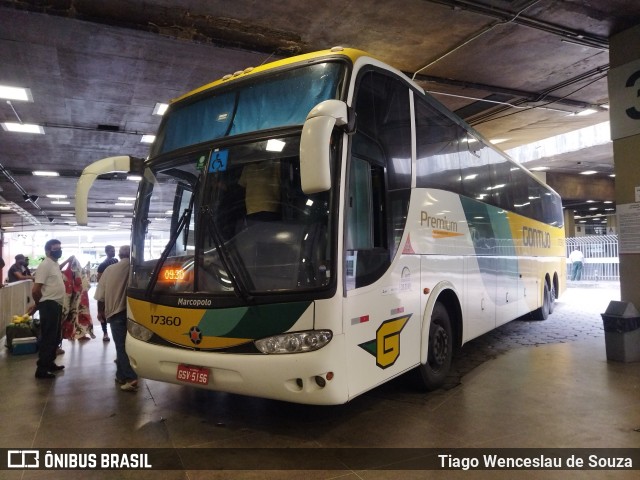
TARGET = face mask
x,y
56,254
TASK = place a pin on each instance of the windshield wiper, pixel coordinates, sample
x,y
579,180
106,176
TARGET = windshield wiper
x,y
239,281
185,220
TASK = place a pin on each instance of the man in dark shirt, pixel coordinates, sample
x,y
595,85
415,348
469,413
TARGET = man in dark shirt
x,y
18,271
110,251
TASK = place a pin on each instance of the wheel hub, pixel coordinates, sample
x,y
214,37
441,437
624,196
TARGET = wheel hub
x,y
439,345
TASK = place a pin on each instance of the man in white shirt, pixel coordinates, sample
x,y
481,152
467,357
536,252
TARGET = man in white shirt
x,y
48,292
111,295
577,260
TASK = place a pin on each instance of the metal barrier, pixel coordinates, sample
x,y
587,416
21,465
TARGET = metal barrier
x,y
601,260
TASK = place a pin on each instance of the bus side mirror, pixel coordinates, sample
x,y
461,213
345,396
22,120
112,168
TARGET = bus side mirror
x,y
91,172
315,143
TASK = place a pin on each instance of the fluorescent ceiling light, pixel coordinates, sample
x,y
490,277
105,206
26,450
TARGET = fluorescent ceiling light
x,y
538,169
45,173
117,216
588,172
134,178
274,145
160,108
15,93
66,214
22,127
123,204
608,201
56,195
59,202
126,199
591,201
147,138
612,175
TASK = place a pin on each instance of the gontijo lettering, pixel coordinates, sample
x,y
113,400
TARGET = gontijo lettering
x,y
532,237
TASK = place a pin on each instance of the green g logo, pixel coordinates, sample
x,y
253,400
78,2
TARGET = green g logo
x,y
386,346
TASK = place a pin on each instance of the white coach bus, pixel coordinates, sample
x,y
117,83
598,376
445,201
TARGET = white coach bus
x,y
309,229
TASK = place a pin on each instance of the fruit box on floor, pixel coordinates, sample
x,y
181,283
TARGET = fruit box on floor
x,y
24,345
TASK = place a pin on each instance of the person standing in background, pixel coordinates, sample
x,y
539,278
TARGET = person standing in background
x,y
577,262
48,293
111,295
18,271
111,259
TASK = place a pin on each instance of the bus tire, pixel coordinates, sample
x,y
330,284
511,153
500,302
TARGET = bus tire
x,y
433,373
543,312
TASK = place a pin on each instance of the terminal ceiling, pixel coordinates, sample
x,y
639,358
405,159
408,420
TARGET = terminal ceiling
x,y
515,70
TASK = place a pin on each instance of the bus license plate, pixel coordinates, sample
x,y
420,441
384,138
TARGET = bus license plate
x,y
191,374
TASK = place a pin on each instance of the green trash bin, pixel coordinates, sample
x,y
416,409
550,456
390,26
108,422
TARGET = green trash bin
x,y
621,323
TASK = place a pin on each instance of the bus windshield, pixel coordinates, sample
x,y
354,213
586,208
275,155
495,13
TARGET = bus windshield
x,y
231,221
283,99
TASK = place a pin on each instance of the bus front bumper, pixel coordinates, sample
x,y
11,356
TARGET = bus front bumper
x,y
317,378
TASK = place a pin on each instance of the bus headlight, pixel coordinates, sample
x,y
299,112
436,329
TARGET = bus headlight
x,y
138,332
295,342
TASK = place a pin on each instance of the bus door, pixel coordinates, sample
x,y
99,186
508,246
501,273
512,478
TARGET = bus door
x,y
380,311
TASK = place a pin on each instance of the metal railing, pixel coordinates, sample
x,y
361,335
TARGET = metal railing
x,y
601,260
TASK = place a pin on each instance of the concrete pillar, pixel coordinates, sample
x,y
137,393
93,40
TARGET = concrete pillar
x,y
569,223
624,96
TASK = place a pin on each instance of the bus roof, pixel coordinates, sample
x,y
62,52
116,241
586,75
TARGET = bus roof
x,y
350,53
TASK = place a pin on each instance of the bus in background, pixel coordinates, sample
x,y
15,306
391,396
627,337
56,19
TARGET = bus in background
x,y
309,229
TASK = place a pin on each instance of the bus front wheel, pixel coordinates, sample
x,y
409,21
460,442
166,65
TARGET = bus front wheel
x,y
433,373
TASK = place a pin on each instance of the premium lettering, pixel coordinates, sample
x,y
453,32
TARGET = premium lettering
x,y
441,223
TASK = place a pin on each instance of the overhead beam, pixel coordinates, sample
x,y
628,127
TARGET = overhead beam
x,y
570,35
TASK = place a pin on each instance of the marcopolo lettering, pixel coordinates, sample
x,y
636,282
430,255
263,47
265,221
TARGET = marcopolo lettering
x,y
532,237
440,223
194,302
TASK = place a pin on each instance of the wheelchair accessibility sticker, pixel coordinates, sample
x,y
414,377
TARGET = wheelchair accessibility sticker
x,y
218,161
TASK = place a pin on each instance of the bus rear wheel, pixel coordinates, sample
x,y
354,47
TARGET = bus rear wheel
x,y
552,299
543,312
433,373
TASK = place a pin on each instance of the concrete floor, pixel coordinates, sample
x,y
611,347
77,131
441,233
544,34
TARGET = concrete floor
x,y
527,384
